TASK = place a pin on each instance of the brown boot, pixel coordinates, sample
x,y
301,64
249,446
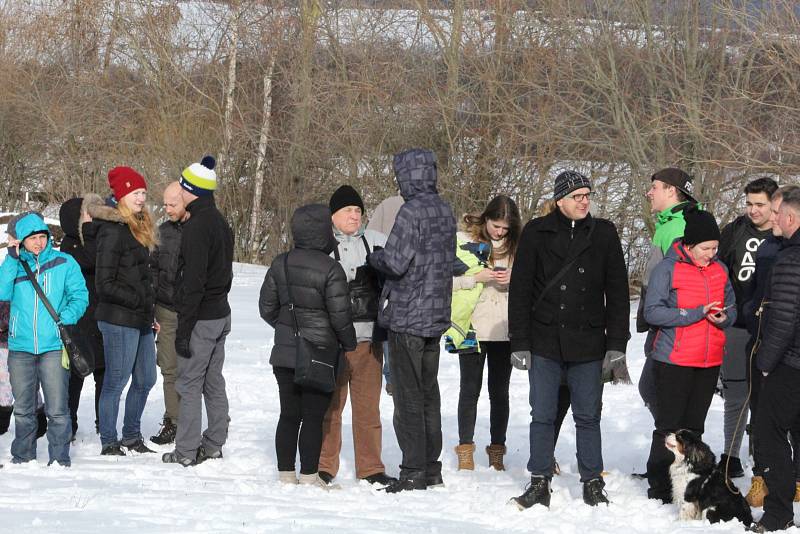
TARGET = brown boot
x,y
496,453
464,453
758,490
797,492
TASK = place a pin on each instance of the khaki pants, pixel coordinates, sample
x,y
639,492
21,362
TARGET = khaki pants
x,y
362,375
167,359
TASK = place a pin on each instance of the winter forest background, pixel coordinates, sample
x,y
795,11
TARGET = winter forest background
x,y
298,97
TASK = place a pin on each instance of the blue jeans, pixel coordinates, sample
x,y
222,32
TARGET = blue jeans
x,y
584,380
128,352
27,371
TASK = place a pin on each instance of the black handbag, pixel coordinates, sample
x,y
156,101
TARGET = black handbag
x,y
365,290
315,365
79,350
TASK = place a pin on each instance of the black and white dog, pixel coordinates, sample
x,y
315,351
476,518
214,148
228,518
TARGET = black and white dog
x,y
698,485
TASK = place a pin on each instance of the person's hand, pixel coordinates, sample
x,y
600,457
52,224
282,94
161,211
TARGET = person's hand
x,y
182,347
156,327
85,217
484,276
615,368
718,317
503,277
13,247
521,359
710,306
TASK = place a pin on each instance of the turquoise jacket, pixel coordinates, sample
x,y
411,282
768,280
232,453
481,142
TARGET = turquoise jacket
x,y
30,327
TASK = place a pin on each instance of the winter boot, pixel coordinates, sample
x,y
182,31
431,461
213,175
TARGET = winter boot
x,y
434,481
138,446
797,492
381,479
465,459
496,453
758,490
537,492
5,418
287,477
593,492
112,450
41,420
175,458
204,454
314,480
417,481
326,477
731,465
166,433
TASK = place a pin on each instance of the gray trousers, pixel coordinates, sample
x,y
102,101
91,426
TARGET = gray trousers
x,y
200,378
735,387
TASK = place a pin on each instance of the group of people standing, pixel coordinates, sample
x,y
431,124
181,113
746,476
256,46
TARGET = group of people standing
x,y
114,273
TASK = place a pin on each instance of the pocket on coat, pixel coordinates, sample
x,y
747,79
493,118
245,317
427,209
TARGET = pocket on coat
x,y
542,316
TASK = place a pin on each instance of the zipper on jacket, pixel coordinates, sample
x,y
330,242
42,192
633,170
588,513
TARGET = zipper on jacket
x,y
35,311
572,231
708,326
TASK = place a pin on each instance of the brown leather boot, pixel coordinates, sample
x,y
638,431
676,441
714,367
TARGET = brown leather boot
x,y
496,453
758,490
464,453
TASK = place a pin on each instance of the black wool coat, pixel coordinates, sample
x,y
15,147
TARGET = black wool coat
x,y
585,312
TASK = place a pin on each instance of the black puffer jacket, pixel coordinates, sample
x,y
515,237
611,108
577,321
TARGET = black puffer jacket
x,y
123,278
80,242
587,311
319,288
780,342
165,260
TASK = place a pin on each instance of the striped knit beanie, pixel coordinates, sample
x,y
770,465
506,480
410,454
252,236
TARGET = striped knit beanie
x,y
200,178
569,181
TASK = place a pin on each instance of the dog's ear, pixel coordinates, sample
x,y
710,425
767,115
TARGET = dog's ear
x,y
699,454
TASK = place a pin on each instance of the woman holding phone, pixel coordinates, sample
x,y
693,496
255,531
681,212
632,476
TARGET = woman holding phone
x,y
690,301
499,226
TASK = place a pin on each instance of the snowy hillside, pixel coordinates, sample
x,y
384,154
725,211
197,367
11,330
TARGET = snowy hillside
x,y
240,493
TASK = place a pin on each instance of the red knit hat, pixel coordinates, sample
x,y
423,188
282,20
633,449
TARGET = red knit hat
x,y
123,180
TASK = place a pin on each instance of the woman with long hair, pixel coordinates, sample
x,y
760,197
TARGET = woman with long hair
x,y
125,307
499,226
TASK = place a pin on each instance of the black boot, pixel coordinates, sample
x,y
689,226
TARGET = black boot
x,y
537,492
434,481
138,446
5,418
175,458
411,482
41,420
166,434
203,454
112,450
593,492
381,479
734,466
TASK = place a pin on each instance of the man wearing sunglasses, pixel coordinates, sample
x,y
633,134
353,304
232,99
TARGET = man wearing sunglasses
x,y
568,312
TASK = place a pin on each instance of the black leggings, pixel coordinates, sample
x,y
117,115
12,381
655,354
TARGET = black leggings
x,y
498,355
299,405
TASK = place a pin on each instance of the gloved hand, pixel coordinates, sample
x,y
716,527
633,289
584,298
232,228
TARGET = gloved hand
x,y
182,347
615,368
521,359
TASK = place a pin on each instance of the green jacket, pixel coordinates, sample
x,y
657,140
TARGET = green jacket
x,y
468,262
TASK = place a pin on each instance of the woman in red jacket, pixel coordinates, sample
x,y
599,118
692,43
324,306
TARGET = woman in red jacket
x,y
690,300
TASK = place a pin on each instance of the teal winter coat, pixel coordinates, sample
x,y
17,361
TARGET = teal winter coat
x,y
30,327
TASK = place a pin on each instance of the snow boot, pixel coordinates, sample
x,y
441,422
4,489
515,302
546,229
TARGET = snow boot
x,y
537,492
496,453
112,450
731,465
314,479
593,492
797,492
175,458
287,477
465,459
138,446
410,483
758,490
5,418
203,454
434,481
166,433
381,479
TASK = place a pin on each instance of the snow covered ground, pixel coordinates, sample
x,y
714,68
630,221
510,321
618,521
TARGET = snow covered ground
x,y
240,493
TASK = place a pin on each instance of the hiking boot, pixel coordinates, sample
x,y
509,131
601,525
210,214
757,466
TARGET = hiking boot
x,y
593,492
175,458
203,454
326,477
314,479
758,490
112,450
496,453
434,481
382,479
41,423
407,484
759,527
797,492
166,434
465,459
537,492
287,477
732,464
5,418
138,446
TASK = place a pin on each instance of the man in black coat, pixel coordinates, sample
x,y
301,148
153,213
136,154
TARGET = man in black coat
x,y
165,259
204,319
415,308
778,358
568,310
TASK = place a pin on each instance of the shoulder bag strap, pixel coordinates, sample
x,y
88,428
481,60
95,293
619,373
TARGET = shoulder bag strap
x,y
39,292
366,243
289,290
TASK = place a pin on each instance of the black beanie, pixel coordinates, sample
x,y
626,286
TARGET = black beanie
x,y
567,182
343,197
700,226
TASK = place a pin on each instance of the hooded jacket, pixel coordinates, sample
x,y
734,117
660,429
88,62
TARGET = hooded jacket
x,y
418,258
318,285
31,328
123,278
677,292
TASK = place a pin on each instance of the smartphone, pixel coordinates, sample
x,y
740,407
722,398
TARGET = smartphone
x,y
499,268
719,311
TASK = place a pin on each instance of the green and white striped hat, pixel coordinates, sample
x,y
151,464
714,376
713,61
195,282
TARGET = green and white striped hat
x,y
200,178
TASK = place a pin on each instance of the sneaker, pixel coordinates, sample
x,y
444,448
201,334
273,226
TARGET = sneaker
x,y
593,492
175,458
406,484
166,434
112,450
203,454
465,460
434,481
138,446
325,476
758,490
382,479
496,453
537,492
732,464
